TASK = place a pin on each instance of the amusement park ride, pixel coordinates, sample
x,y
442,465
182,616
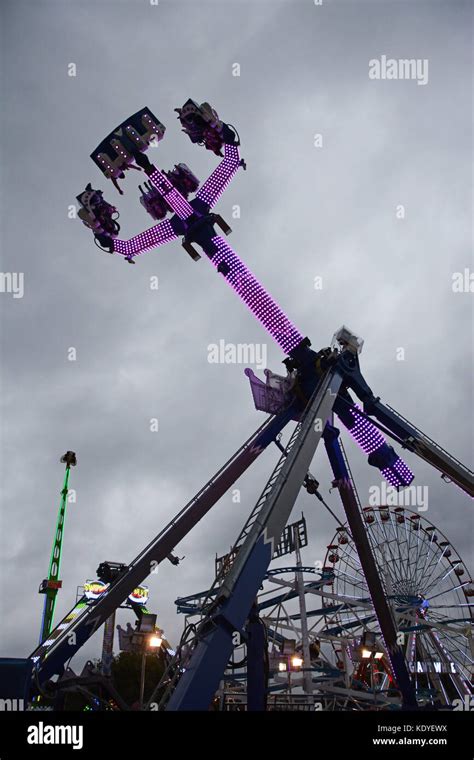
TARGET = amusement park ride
x,y
318,386
51,585
328,655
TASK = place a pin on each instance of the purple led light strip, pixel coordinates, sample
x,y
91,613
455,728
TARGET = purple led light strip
x,y
370,439
174,198
254,295
158,235
366,435
398,474
214,186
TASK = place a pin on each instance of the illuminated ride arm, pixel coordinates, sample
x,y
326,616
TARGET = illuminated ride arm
x,y
219,180
208,194
196,223
152,238
169,230
169,193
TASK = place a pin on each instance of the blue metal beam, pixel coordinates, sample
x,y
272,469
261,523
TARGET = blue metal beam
x,y
199,682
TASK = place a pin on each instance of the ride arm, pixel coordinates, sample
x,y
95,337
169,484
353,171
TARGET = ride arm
x,y
397,427
252,293
218,181
419,443
84,620
169,193
369,438
214,643
152,238
166,189
209,193
364,550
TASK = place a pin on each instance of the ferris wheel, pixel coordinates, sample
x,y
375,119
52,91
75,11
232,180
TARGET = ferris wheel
x,y
431,599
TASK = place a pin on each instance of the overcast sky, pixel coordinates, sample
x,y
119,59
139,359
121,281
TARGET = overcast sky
x,y
306,212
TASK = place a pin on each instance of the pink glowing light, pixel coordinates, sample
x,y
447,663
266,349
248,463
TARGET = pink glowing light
x,y
173,198
214,186
254,295
370,439
399,474
152,238
366,435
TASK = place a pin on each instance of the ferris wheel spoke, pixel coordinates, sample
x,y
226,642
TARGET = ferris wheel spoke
x,y
430,553
463,654
450,604
450,627
415,555
440,636
358,581
351,556
442,578
347,562
455,626
448,657
408,534
467,605
424,559
433,563
421,557
454,588
389,547
354,621
434,568
395,570
423,553
402,545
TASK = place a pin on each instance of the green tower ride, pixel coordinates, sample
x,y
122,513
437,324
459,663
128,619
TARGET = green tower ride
x,y
50,586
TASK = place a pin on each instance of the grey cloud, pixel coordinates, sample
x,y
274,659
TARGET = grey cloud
x,y
304,212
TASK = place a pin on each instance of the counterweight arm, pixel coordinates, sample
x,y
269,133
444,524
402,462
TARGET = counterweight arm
x,y
414,440
397,427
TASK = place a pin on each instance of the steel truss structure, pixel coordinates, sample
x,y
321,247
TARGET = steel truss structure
x,y
315,657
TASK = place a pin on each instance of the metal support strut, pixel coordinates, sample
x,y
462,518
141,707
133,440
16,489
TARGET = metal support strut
x,y
213,646
359,534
